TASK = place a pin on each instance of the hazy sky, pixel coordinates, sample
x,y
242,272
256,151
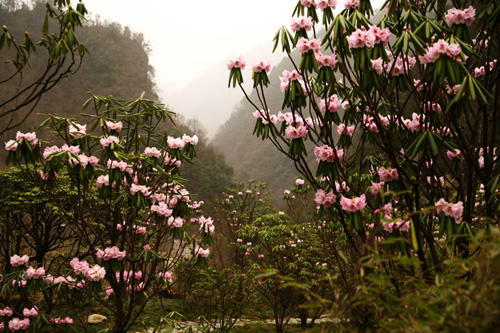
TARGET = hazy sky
x,y
187,37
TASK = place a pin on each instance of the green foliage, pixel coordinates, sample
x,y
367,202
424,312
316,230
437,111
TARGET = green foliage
x,y
219,295
30,221
35,70
108,69
288,265
462,297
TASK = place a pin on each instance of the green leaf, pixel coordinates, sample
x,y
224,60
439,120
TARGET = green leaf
x,y
432,142
45,28
267,273
2,40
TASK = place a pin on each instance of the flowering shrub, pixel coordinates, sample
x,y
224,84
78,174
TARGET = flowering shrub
x,y
130,210
284,256
418,165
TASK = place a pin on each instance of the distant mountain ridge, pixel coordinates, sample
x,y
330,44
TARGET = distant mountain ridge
x,y
208,98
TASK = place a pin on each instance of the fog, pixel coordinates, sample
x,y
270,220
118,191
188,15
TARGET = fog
x,y
191,39
191,43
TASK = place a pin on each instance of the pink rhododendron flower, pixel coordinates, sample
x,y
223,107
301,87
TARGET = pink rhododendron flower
x,y
431,107
122,165
238,63
307,3
260,66
193,140
401,65
77,130
16,260
382,36
16,324
354,204
161,209
72,149
479,71
152,152
207,223
376,187
33,312
112,126
449,209
96,273
6,312
378,65
324,199
102,180
441,47
79,267
388,226
361,38
342,129
326,61
332,103
172,161
291,76
328,154
457,16
165,275
20,283
305,23
11,145
351,4
292,132
50,150
30,137
305,45
454,154
322,4
201,252
105,142
175,143
33,273
299,181
134,189
175,222
111,253
388,174
403,226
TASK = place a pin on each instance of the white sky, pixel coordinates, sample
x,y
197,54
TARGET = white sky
x,y
187,37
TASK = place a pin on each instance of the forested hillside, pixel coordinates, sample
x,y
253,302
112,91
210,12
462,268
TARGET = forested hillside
x,y
118,65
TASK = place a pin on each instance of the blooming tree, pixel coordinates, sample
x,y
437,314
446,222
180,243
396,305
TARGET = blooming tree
x,y
131,210
403,117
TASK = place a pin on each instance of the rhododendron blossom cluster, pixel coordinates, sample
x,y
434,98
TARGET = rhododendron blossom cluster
x,y
111,253
368,38
441,47
458,16
354,204
305,23
238,63
261,66
305,45
328,154
452,210
16,260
